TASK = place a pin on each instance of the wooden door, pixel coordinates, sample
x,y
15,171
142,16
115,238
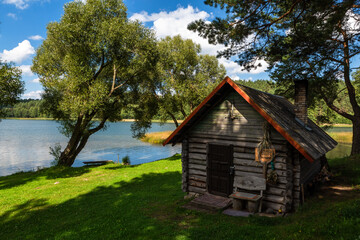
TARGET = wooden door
x,y
219,174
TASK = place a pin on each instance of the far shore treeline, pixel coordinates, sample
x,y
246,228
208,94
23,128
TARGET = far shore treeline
x,y
319,112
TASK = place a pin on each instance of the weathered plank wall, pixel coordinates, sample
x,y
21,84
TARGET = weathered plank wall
x,y
185,164
308,170
244,132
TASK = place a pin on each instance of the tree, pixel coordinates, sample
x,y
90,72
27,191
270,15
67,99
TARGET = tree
x,y
11,86
187,77
94,63
300,39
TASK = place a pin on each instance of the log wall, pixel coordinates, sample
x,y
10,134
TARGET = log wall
x,y
185,165
235,122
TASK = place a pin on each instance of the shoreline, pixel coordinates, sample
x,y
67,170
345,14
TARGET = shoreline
x,y
51,119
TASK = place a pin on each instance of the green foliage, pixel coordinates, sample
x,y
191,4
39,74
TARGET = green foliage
x,y
126,160
11,86
55,152
26,109
187,77
313,40
96,63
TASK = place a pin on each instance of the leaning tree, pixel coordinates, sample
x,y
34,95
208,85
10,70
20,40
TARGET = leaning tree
x,y
94,63
317,40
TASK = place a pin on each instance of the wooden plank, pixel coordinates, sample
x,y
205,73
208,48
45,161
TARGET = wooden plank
x,y
250,183
197,145
197,150
281,180
198,178
252,163
259,169
197,166
274,206
247,156
197,156
274,199
244,155
197,184
274,191
200,137
197,172
196,189
199,162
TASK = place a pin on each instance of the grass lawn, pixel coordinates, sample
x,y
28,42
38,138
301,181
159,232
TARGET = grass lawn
x,y
144,202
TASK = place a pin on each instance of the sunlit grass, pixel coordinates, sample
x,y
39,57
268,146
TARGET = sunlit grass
x,y
342,137
156,137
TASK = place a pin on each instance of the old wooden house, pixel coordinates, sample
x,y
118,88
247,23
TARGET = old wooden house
x,y
221,137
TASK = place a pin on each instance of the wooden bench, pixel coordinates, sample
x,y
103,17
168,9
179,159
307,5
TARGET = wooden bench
x,y
254,201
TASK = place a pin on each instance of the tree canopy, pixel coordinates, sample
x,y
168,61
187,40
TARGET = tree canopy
x,y
11,86
94,63
187,77
314,40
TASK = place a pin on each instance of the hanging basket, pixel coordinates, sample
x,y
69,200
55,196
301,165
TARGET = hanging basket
x,y
264,155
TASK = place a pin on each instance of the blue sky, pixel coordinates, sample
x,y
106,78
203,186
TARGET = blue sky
x,y
23,28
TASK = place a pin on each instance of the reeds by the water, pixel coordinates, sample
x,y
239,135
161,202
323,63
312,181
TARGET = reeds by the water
x,y
156,137
342,137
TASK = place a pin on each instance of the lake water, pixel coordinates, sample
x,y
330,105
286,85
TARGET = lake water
x,y
24,145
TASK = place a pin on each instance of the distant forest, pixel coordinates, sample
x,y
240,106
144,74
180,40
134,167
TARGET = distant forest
x,y
318,112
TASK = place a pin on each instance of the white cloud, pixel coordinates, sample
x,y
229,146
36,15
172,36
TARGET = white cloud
x,y
33,94
19,53
36,37
21,4
12,15
233,69
176,22
26,70
36,80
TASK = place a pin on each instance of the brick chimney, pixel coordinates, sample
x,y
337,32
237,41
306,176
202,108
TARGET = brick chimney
x,y
301,88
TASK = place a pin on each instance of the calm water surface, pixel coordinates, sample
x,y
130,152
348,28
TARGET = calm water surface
x,y
24,145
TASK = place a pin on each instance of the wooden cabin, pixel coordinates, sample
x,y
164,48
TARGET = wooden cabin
x,y
220,137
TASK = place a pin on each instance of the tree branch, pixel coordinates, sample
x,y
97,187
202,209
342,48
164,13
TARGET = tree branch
x,y
282,16
331,105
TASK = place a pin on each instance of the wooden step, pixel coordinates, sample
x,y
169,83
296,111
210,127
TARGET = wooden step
x,y
209,202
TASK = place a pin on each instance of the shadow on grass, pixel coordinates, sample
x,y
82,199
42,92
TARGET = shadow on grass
x,y
120,211
149,207
21,178
346,170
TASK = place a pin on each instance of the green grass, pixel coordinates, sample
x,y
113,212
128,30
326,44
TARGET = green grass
x,y
144,202
342,137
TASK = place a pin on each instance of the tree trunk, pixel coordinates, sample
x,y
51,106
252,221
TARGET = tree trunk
x,y
78,139
355,148
173,118
71,151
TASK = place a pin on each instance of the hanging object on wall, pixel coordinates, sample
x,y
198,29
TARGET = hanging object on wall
x,y
231,111
265,152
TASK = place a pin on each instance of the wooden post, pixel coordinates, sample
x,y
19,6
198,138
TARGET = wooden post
x,y
185,165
